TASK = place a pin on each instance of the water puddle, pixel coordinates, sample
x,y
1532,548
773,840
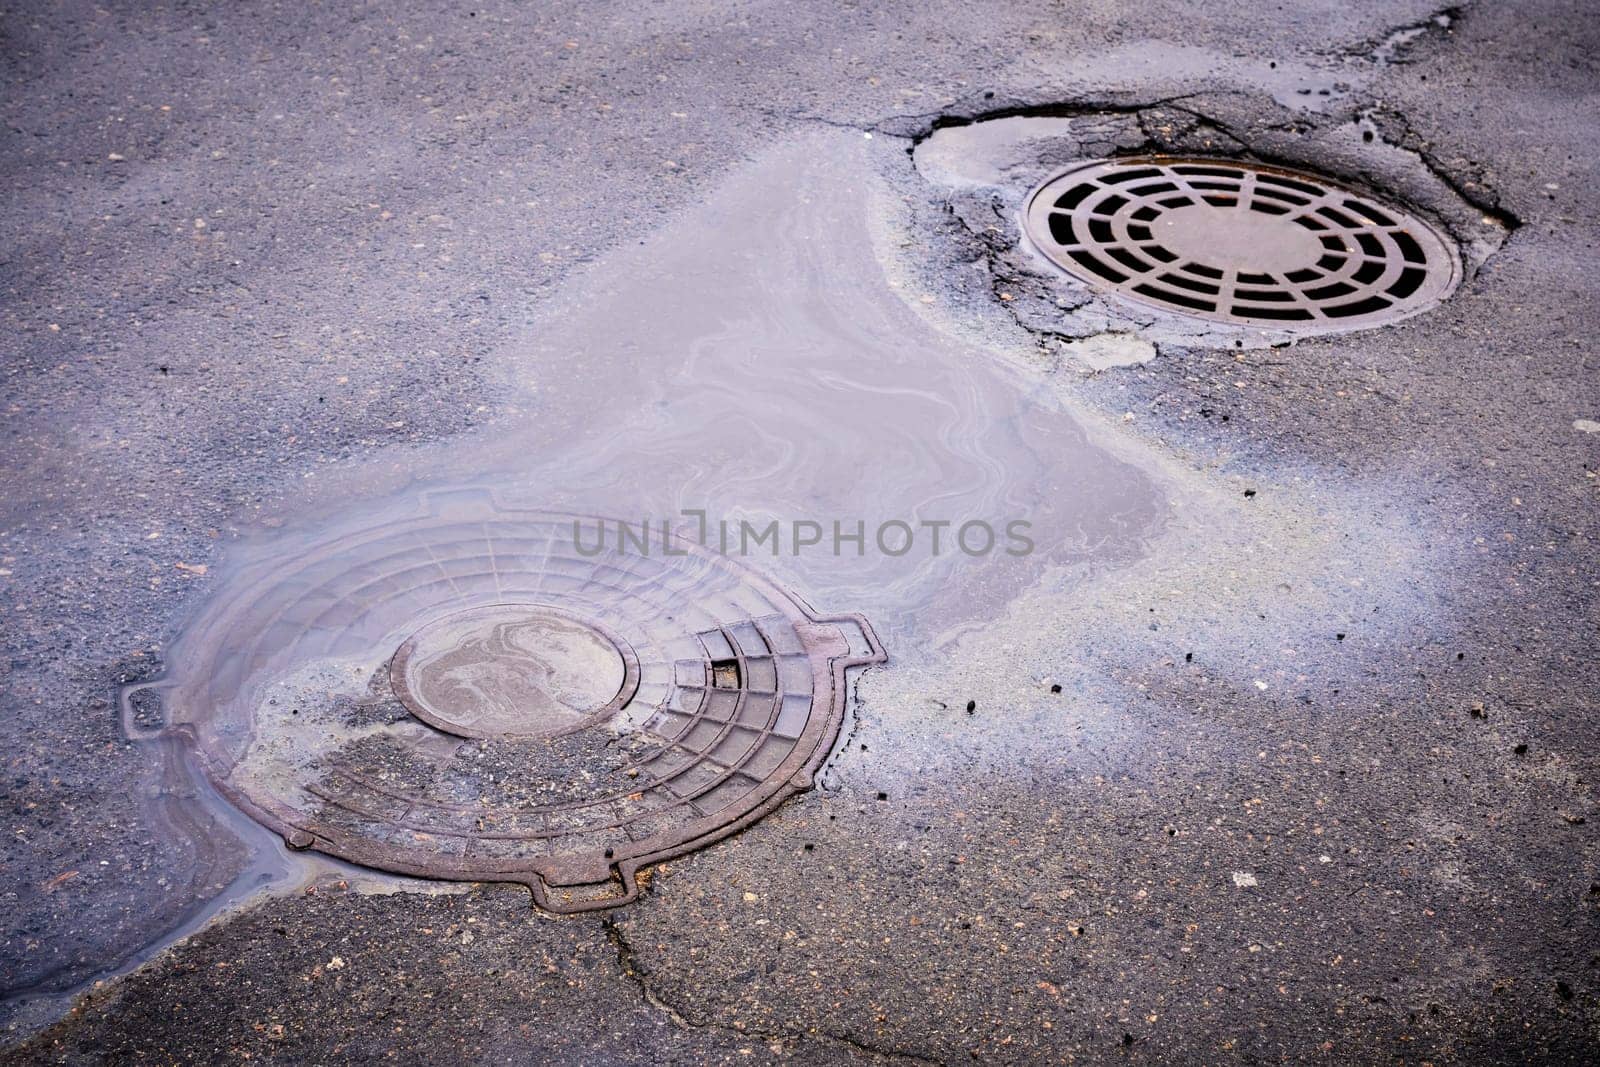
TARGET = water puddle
x,y
997,151
750,369
753,361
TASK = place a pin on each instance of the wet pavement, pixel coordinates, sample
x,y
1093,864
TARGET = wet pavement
x,y
1279,747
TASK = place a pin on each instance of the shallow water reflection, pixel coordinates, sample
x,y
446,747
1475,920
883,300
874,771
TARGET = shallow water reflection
x,y
751,360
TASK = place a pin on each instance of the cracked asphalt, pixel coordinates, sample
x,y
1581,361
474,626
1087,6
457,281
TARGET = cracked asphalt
x,y
1311,781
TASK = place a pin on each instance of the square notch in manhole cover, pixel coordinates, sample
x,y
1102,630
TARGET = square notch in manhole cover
x,y
1240,243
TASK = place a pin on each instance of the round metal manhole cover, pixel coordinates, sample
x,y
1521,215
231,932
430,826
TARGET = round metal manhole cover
x,y
513,670
484,694
1240,243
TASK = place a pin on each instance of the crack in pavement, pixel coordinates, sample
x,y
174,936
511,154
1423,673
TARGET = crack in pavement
x,y
956,116
1477,194
628,961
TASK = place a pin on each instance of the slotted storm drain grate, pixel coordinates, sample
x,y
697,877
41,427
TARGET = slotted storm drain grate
x,y
482,695
1245,244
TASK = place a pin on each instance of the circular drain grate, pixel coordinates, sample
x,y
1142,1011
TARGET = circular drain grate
x,y
1245,244
465,694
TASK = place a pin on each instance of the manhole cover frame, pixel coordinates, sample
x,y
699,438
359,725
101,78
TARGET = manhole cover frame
x,y
1095,261
834,644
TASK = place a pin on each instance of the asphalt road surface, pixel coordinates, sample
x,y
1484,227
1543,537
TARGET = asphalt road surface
x,y
1291,757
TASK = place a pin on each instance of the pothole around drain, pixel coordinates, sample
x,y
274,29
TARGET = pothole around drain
x,y
1240,243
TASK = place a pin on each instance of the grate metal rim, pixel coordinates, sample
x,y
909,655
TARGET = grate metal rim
x,y
1110,223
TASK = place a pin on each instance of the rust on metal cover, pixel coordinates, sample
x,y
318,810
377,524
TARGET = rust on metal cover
x,y
460,693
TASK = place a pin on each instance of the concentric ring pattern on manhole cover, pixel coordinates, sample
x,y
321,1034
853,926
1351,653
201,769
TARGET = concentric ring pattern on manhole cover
x,y
1240,243
477,693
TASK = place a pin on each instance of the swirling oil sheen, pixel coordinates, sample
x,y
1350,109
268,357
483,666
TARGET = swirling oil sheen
x,y
752,358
